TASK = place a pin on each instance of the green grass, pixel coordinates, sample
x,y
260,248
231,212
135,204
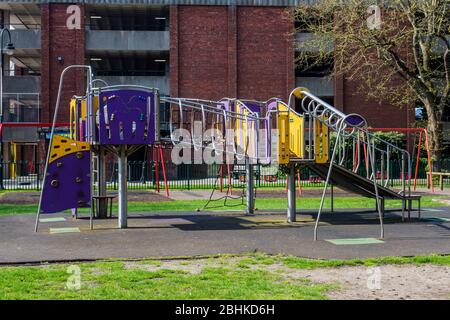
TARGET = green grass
x,y
261,204
248,276
111,280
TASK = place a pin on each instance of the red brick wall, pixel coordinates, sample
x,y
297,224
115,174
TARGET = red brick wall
x,y
378,112
219,51
201,45
265,53
58,40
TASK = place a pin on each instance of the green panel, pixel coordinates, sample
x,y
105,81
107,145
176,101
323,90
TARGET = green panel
x,y
58,219
64,230
354,241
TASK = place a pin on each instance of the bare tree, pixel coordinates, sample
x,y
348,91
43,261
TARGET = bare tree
x,y
399,50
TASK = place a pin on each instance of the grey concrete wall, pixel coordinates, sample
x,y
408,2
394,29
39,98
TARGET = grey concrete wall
x,y
25,134
322,87
127,40
161,83
26,39
185,2
22,84
305,41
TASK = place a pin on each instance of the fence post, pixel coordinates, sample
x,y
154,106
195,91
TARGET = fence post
x,y
188,176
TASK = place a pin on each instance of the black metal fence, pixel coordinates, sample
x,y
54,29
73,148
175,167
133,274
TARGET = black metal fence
x,y
144,175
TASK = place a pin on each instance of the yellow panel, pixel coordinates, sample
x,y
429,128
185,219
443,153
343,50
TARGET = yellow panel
x,y
295,131
73,118
241,127
83,107
320,141
238,125
283,138
244,131
13,160
62,146
296,135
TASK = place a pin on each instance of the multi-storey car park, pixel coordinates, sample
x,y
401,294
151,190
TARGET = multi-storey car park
x,y
204,49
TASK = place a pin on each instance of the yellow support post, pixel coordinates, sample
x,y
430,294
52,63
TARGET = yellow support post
x,y
13,160
73,118
320,141
283,138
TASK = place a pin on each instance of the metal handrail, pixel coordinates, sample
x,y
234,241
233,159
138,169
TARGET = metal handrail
x,y
332,117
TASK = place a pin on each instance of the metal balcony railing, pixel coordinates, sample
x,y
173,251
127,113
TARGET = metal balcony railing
x,y
21,107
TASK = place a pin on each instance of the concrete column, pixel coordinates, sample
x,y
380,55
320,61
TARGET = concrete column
x,y
59,41
250,188
291,212
232,51
123,164
174,52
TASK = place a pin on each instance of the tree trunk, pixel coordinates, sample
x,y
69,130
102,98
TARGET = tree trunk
x,y
435,129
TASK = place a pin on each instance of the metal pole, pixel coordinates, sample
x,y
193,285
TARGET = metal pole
x,y
101,166
1,101
1,111
388,165
122,187
403,165
332,197
250,188
322,200
55,117
291,212
371,158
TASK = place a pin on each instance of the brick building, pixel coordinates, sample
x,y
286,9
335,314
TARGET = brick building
x,y
207,49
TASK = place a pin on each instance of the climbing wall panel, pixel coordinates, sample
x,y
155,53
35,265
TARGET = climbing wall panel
x,y
127,117
67,182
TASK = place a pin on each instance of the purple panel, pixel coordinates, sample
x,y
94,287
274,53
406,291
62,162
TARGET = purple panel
x,y
127,117
67,184
354,120
83,130
226,104
271,106
254,107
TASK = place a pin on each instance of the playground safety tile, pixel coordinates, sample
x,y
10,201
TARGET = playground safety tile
x,y
354,241
433,210
64,230
57,219
437,219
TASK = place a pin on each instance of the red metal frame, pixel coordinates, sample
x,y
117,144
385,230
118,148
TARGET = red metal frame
x,y
164,169
422,132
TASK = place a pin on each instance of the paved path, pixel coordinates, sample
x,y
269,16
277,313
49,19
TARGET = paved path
x,y
181,234
32,197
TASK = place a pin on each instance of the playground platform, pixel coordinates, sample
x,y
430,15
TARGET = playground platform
x,y
343,234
